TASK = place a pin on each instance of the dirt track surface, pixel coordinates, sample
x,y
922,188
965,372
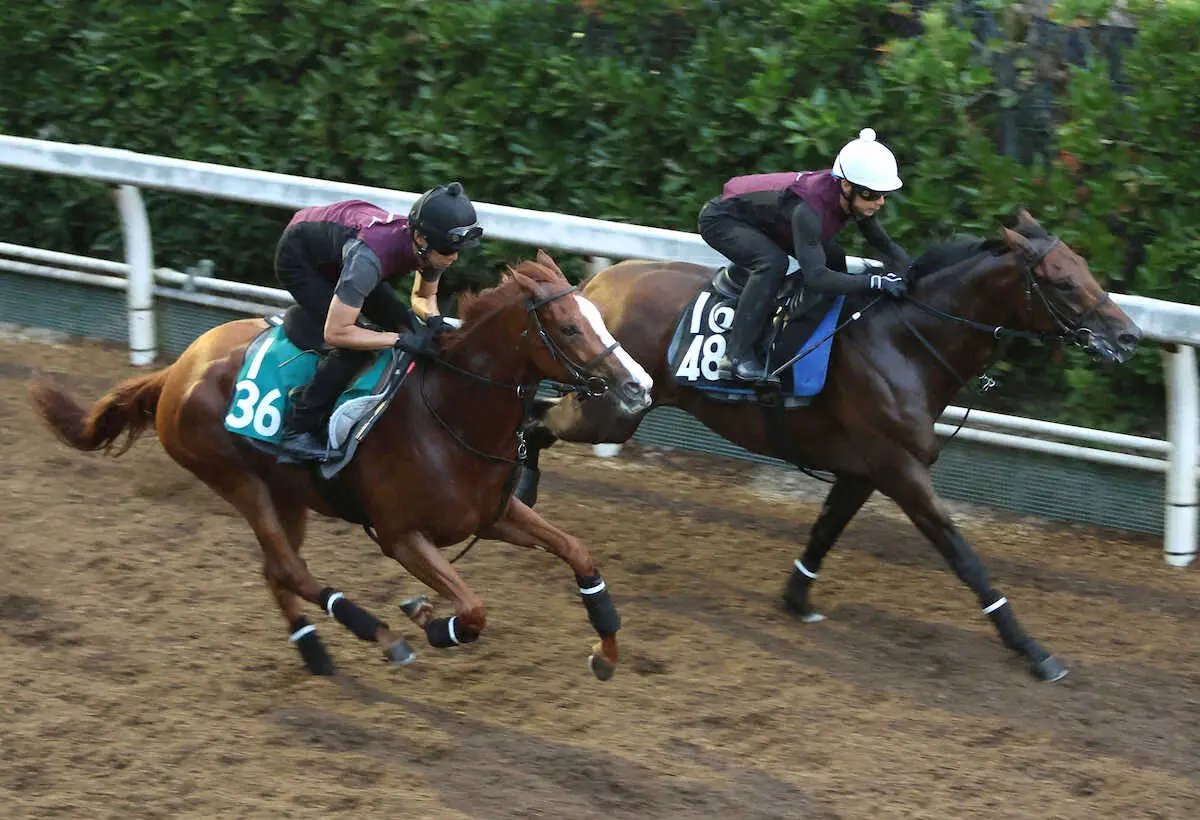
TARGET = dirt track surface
x,y
147,671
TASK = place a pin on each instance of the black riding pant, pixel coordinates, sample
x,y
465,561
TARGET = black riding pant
x,y
308,259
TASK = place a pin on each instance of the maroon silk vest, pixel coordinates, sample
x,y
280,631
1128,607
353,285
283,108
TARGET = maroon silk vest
x,y
820,189
385,233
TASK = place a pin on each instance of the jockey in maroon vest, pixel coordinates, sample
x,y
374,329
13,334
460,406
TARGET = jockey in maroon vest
x,y
761,220
338,261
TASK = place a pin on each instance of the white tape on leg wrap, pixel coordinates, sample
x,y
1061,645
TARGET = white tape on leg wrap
x,y
989,609
450,628
592,590
806,570
301,632
329,603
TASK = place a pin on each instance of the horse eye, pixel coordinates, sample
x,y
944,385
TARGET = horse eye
x,y
1065,287
570,330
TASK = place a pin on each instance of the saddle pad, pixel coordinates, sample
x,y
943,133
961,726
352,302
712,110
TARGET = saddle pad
x,y
699,343
272,368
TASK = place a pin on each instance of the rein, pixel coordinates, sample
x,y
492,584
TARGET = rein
x,y
588,385
1068,330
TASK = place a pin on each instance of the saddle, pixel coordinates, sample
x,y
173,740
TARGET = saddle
x,y
803,325
275,364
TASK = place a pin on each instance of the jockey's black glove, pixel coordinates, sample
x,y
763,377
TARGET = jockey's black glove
x,y
892,284
417,343
436,324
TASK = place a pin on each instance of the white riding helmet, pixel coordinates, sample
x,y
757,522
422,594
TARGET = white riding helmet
x,y
868,164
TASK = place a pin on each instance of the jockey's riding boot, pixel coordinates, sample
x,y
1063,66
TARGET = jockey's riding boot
x,y
740,362
309,408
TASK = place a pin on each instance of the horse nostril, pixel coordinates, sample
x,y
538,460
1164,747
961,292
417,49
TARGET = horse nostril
x,y
633,391
1128,339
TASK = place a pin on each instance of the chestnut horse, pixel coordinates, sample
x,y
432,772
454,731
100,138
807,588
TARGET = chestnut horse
x,y
435,469
891,374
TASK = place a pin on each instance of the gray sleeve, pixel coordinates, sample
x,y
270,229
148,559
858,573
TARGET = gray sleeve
x,y
894,255
361,273
806,237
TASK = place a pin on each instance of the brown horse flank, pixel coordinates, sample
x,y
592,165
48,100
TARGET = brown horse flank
x,y
433,471
891,374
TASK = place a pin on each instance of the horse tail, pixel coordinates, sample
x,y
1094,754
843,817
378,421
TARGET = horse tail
x,y
128,409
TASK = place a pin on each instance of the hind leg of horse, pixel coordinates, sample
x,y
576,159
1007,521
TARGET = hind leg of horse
x,y
302,633
912,488
845,499
275,523
523,527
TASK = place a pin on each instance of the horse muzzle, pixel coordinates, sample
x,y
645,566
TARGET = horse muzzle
x,y
1117,348
632,398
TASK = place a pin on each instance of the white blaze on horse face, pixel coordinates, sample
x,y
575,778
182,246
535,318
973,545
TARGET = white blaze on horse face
x,y
592,314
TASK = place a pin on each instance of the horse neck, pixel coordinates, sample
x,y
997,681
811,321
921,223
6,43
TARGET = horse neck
x,y
489,347
988,290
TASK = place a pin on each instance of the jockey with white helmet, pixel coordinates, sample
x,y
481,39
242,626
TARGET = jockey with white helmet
x,y
760,220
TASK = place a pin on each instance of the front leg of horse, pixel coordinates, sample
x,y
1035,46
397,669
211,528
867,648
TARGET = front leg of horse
x,y
845,499
912,488
425,562
523,527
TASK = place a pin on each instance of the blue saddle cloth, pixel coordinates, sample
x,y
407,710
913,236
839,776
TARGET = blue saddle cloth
x,y
699,343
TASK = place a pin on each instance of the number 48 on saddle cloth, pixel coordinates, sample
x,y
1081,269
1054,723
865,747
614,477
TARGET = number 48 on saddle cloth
x,y
699,343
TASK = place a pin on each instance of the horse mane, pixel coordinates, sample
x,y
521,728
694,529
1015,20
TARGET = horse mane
x,y
940,257
474,305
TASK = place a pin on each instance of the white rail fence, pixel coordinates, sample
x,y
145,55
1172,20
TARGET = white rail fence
x,y
1176,325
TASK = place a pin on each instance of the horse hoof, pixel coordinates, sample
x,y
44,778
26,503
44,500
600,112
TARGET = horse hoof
x,y
414,605
399,653
803,612
1049,669
601,668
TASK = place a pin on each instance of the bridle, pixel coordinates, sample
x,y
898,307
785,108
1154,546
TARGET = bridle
x,y
587,384
1069,330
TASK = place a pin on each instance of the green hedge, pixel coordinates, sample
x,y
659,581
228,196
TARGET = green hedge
x,y
623,110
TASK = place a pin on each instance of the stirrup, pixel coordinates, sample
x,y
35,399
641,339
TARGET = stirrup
x,y
744,370
307,445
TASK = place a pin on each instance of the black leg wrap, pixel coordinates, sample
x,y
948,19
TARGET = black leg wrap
x,y
795,594
601,610
363,624
1011,632
443,633
312,651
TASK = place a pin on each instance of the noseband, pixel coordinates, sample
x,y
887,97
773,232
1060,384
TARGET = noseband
x,y
588,385
1068,330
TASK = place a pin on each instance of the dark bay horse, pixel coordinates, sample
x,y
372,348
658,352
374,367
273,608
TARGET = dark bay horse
x,y
435,469
891,374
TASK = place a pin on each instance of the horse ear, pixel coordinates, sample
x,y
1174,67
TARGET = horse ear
x,y
1017,243
544,260
1026,220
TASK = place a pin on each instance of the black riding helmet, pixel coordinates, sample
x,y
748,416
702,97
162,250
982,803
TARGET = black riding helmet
x,y
446,218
